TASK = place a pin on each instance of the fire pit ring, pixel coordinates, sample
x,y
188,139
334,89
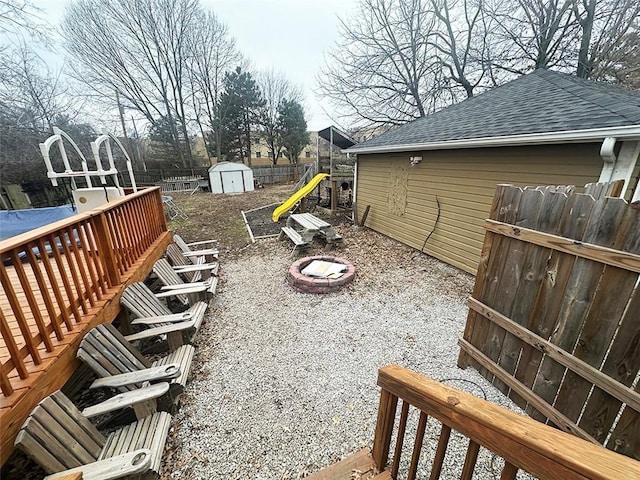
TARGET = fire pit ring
x,y
306,284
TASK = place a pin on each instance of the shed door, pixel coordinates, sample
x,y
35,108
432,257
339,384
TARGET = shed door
x,y
232,182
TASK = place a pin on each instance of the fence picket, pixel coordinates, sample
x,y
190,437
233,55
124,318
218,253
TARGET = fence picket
x,y
533,275
512,282
499,263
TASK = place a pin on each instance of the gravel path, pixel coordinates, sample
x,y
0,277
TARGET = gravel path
x,y
284,383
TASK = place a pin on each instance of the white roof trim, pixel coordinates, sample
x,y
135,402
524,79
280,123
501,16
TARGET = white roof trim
x,y
569,136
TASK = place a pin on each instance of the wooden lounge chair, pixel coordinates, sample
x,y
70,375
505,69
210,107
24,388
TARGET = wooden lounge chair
x,y
191,272
186,292
121,366
204,249
63,441
148,310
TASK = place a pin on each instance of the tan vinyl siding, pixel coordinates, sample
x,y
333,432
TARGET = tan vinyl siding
x,y
464,182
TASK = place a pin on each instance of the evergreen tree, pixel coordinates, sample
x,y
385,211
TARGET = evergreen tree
x,y
293,129
237,115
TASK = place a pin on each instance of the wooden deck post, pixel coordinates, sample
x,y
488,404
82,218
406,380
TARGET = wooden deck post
x,y
106,248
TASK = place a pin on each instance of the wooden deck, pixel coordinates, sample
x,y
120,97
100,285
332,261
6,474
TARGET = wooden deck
x,y
60,281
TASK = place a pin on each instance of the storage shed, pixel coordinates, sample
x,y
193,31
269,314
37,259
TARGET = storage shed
x,y
229,177
430,183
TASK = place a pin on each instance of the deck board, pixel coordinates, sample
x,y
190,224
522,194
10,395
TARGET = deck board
x,y
59,363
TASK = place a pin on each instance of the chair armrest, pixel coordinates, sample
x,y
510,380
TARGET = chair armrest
x,y
162,330
127,399
131,463
202,242
187,288
162,372
199,253
195,268
175,317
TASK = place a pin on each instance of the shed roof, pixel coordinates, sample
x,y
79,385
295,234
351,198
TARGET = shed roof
x,y
541,107
228,167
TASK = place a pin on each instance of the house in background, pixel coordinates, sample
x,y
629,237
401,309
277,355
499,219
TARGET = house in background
x,y
439,173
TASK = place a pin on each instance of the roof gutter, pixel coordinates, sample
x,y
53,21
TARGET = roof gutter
x,y
569,136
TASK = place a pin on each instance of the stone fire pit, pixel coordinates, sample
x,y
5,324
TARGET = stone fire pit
x,y
309,284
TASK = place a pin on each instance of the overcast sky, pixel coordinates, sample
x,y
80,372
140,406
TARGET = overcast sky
x,y
290,36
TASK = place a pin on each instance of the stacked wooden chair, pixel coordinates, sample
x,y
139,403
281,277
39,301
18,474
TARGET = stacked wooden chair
x,y
64,441
149,311
192,272
186,292
205,249
119,365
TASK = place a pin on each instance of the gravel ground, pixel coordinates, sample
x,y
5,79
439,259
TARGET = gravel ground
x,y
284,383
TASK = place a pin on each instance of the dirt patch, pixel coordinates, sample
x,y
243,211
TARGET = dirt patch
x,y
260,221
219,217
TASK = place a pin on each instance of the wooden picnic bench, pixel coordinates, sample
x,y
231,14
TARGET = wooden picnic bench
x,y
313,226
300,243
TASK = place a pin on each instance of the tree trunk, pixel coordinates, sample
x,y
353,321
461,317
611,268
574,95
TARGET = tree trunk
x,y
584,64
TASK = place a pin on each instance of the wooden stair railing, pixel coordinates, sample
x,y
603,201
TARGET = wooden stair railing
x,y
524,444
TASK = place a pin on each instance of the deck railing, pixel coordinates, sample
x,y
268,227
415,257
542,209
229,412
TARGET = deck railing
x,y
52,276
522,442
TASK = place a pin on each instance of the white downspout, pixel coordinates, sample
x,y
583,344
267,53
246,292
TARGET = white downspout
x,y
609,157
620,167
355,191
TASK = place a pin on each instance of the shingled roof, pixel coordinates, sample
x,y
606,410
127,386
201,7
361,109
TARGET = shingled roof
x,y
541,107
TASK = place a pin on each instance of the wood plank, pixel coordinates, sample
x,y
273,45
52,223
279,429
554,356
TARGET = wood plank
x,y
345,469
131,463
625,438
502,263
511,283
127,399
481,277
549,296
384,428
417,446
441,450
591,251
164,372
547,219
402,426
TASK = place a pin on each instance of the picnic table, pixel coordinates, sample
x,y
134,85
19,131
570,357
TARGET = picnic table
x,y
309,226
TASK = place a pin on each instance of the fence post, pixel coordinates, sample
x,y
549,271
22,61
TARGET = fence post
x,y
106,248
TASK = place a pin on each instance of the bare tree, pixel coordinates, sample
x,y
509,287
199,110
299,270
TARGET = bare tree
x,y
213,53
460,42
21,17
382,71
606,27
31,93
530,34
139,48
275,89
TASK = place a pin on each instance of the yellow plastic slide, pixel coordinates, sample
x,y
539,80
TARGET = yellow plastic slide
x,y
299,195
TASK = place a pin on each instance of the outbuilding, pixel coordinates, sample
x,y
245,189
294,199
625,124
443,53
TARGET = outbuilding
x,y
230,177
430,183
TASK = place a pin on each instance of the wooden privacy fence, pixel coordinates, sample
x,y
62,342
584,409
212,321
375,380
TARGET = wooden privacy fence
x,y
277,173
52,277
554,319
